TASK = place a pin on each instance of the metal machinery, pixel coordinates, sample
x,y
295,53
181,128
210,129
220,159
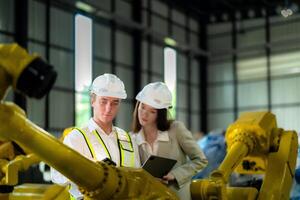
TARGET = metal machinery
x,y
254,146
96,180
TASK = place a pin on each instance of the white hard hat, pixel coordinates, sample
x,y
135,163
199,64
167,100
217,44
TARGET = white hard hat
x,y
108,85
156,94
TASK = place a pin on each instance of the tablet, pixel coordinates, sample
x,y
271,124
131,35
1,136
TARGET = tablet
x,y
158,166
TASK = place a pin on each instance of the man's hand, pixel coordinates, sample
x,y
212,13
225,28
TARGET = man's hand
x,y
109,161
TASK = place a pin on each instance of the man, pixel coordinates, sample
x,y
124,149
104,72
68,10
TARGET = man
x,y
99,139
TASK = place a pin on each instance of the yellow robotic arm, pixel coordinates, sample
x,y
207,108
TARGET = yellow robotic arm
x,y
27,74
255,146
31,76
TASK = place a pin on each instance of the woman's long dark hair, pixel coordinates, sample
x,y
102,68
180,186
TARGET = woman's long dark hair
x,y
162,121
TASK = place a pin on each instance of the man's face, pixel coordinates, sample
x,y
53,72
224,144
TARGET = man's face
x,y
105,108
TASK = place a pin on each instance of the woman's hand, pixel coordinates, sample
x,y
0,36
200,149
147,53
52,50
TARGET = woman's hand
x,y
167,178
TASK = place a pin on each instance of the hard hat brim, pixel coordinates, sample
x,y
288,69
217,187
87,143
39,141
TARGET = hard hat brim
x,y
110,94
153,104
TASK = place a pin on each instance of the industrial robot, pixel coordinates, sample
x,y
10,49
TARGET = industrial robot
x,y
31,76
254,146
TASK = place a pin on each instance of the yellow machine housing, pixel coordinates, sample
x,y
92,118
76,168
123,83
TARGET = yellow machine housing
x,y
96,180
255,146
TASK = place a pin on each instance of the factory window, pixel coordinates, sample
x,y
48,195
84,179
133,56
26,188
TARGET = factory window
x,y
170,74
83,68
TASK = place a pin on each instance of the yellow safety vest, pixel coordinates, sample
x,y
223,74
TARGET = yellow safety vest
x,y
124,142
125,147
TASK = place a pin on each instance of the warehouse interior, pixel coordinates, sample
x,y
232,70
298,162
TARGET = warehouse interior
x,y
220,57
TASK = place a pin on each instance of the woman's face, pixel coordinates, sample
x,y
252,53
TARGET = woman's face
x,y
147,115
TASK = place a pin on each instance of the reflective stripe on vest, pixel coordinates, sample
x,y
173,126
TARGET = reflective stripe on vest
x,y
95,132
88,142
125,147
72,198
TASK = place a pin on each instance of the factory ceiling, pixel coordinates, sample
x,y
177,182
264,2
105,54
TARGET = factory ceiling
x,y
209,11
222,10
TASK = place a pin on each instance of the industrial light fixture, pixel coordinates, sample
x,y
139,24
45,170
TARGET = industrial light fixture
x,y
85,7
170,41
286,11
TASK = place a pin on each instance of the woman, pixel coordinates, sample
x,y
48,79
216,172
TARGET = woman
x,y
156,135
